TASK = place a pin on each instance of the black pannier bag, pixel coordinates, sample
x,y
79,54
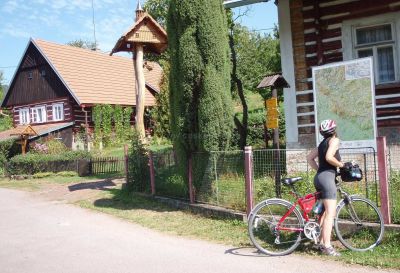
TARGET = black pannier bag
x,y
351,172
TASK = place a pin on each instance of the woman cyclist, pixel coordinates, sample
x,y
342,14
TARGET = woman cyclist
x,y
324,181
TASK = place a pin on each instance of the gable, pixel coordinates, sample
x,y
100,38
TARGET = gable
x,y
146,31
34,81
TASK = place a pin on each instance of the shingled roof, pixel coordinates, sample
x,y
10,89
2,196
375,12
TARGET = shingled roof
x,y
94,77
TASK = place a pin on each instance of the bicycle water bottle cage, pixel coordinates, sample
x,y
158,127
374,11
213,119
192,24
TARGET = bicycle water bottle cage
x,y
291,181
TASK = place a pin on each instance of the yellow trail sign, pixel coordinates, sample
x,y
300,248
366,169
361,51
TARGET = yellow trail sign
x,y
271,103
272,113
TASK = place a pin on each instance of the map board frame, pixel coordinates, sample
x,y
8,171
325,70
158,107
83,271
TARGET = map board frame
x,y
354,110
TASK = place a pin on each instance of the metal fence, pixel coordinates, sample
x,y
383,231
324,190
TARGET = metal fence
x,y
219,180
169,182
219,177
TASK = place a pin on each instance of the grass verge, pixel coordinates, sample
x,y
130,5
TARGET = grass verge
x,y
152,214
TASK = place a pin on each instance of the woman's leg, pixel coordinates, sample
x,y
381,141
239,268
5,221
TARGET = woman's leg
x,y
321,223
327,223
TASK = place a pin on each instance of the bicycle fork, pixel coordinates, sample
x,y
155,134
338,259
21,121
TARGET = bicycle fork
x,y
350,209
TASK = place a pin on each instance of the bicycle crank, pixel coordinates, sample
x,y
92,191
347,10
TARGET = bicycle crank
x,y
312,231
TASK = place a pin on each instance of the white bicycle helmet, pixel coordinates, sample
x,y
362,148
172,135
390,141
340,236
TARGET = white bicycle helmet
x,y
327,127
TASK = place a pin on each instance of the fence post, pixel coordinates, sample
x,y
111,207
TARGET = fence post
x,y
191,191
248,167
383,179
152,179
126,157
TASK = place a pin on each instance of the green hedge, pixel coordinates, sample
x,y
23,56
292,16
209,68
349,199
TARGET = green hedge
x,y
8,148
36,163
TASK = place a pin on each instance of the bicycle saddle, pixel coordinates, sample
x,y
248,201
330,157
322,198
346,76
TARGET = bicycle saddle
x,y
291,181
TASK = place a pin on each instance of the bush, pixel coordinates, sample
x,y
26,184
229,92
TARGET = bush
x,y
138,170
32,163
67,173
42,175
51,146
8,148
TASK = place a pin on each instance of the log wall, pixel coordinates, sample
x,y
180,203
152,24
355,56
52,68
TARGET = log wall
x,y
317,39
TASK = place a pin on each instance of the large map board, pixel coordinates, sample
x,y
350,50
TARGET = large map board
x,y
345,92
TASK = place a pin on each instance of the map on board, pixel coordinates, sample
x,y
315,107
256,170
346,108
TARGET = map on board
x,y
345,92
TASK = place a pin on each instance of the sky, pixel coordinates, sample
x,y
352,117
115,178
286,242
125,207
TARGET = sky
x,y
63,21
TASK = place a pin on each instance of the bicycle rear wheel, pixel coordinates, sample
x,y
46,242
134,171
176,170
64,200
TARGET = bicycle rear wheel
x,y
263,227
359,225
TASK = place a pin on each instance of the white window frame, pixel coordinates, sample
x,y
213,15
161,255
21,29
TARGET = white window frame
x,y
24,116
35,114
55,108
350,47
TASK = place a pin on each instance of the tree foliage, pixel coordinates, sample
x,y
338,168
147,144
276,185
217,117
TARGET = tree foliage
x,y
158,9
5,115
257,55
1,84
201,106
161,112
83,44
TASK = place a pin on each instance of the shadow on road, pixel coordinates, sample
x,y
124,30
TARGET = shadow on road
x,y
96,185
246,251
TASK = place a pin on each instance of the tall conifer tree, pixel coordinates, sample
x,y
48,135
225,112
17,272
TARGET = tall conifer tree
x,y
201,106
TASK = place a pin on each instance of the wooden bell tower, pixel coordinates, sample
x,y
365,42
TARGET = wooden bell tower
x,y
145,36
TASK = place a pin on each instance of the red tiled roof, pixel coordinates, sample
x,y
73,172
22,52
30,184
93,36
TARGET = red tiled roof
x,y
42,129
94,77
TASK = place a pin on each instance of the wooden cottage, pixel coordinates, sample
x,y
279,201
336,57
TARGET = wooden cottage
x,y
314,33
55,87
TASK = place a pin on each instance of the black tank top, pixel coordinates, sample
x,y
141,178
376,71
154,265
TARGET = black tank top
x,y
322,149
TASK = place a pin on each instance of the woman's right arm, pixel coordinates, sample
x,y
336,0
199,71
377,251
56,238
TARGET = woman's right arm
x,y
311,159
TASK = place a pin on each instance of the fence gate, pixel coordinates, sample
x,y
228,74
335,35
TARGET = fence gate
x,y
107,165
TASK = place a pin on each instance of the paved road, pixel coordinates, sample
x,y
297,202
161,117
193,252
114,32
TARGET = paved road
x,y
39,236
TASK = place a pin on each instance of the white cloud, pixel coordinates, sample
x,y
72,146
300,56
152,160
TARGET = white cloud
x,y
10,30
10,6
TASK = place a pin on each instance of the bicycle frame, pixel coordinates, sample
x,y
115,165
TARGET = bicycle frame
x,y
306,204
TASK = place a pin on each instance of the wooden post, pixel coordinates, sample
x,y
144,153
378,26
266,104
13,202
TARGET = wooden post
x,y
86,143
152,177
277,157
24,143
383,179
126,157
191,191
140,84
248,167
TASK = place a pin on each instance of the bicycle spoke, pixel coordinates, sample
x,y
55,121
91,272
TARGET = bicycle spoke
x,y
268,235
359,224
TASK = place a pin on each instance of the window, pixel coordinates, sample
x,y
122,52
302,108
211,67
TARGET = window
x,y
43,73
58,111
24,116
30,75
374,37
39,114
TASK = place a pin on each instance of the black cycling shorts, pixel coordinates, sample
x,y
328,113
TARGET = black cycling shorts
x,y
324,182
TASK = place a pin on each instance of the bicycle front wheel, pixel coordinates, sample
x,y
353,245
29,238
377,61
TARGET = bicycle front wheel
x,y
270,237
359,224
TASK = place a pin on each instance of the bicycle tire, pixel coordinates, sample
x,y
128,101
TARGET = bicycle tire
x,y
261,227
364,235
